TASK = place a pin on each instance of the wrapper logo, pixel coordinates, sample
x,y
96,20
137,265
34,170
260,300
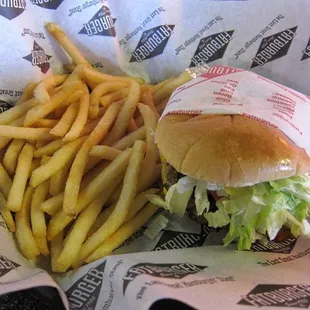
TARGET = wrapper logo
x,y
306,51
152,43
102,24
6,265
180,240
211,48
168,271
274,47
12,8
285,247
4,106
47,4
38,58
278,295
84,293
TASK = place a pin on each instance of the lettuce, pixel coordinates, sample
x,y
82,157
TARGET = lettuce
x,y
251,212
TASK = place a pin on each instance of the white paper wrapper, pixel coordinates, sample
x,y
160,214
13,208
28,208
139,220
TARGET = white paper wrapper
x,y
157,40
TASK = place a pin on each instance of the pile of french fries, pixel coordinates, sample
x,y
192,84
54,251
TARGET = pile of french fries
x,y
77,158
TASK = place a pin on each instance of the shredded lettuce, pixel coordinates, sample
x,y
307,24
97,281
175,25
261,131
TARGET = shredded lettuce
x,y
251,212
156,226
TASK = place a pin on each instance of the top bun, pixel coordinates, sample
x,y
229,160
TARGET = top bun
x,y
228,150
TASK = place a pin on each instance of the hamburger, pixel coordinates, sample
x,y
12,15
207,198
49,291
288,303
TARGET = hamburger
x,y
257,175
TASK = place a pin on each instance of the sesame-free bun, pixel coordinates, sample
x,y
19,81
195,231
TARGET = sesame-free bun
x,y
228,150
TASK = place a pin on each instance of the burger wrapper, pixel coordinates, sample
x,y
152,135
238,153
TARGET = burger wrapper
x,y
186,264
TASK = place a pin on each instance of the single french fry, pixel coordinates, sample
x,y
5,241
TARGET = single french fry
x,y
123,233
147,99
81,119
23,233
108,99
115,169
132,126
60,158
11,155
67,119
49,149
59,179
129,140
159,85
78,232
6,214
77,169
104,152
89,127
56,247
66,43
15,198
41,110
5,181
27,93
37,217
34,164
122,207
141,186
25,133
137,205
42,89
17,112
100,220
4,141
161,106
149,162
98,77
52,205
99,91
125,115
166,90
46,123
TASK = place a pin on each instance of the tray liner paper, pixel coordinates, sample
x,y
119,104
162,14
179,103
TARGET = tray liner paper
x,y
157,40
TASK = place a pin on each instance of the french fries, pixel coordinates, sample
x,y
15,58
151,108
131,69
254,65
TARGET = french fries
x,y
6,214
123,233
76,172
122,207
125,115
28,92
67,119
15,198
60,158
23,232
104,152
72,151
80,121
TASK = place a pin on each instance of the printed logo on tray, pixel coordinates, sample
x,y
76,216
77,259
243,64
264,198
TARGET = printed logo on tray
x,y
11,9
306,51
167,271
4,106
180,240
278,295
285,247
6,265
152,43
47,4
38,58
84,293
211,48
274,47
101,24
